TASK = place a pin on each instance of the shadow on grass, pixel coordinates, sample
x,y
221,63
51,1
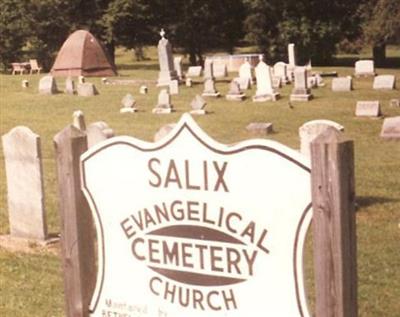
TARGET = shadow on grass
x,y
391,62
366,201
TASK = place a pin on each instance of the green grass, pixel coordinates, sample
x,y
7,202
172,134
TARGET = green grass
x,y
31,285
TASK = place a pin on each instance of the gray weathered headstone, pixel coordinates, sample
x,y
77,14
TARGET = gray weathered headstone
x,y
97,132
311,129
86,90
391,128
368,108
209,89
264,90
300,92
260,127
165,58
198,104
25,83
164,131
69,86
174,87
143,90
384,82
128,104
394,103
25,194
178,67
47,85
194,71
78,120
164,105
342,84
234,93
364,68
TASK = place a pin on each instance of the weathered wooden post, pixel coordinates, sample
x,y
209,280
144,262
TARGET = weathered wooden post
x,y
334,226
77,232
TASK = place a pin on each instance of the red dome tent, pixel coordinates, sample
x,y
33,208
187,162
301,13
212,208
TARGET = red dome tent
x,y
82,54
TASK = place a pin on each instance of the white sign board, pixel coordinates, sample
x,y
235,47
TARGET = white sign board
x,y
187,226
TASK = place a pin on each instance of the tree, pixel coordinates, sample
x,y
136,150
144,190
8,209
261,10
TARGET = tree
x,y
315,26
381,26
14,31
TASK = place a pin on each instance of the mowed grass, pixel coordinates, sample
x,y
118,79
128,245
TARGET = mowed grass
x,y
31,284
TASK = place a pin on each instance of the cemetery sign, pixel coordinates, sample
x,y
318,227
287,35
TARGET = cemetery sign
x,y
187,226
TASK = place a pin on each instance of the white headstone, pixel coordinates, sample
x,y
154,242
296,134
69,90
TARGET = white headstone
x,y
165,58
190,217
25,194
234,93
311,129
164,103
220,69
292,55
364,68
25,83
98,132
78,120
280,70
245,71
342,84
188,82
87,90
384,82
300,91
174,87
209,89
208,69
368,109
178,66
391,128
194,71
264,90
69,86
81,79
47,85
244,83
198,104
128,104
260,127
143,90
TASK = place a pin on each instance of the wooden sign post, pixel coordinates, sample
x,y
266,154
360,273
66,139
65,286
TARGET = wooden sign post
x,y
334,225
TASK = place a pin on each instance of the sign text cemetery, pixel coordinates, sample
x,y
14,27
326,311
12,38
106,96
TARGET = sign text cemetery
x,y
187,226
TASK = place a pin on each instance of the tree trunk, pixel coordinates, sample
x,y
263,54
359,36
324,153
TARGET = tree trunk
x,y
379,54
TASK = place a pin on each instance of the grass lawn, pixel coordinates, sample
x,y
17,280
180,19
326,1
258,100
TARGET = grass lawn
x,y
31,284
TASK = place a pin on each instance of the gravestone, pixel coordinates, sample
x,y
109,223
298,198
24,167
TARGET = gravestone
x,y
143,90
264,90
69,86
234,93
188,217
98,132
128,104
342,84
394,103
87,90
364,68
300,92
194,71
188,82
384,82
178,67
312,82
260,127
209,89
280,70
165,58
198,104
105,81
244,83
276,82
78,120
292,61
368,108
81,79
25,83
164,131
220,69
47,85
311,129
174,87
391,128
208,69
245,71
25,194
320,80
164,105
